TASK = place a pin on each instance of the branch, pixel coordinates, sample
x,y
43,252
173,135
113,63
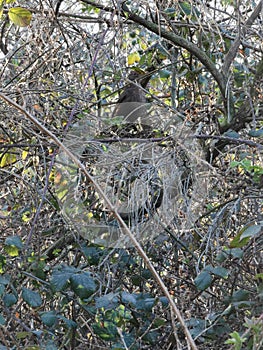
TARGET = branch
x,y
175,39
112,209
230,140
234,47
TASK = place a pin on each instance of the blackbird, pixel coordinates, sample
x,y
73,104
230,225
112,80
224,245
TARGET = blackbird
x,y
131,103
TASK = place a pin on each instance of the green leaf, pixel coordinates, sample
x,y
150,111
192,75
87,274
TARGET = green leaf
x,y
164,301
164,73
9,299
236,253
231,133
14,241
186,7
108,302
2,320
106,332
51,346
93,254
128,298
61,276
151,337
49,318
259,276
2,263
159,322
5,279
251,231
20,16
170,11
196,326
222,256
203,280
23,335
136,279
244,235
83,284
68,323
31,298
240,295
256,133
236,340
145,302
218,271
237,242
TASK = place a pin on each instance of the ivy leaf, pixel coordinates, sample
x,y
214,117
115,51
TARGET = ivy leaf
x,y
9,299
20,16
133,57
68,323
145,302
218,271
5,279
2,321
108,301
232,133
49,318
203,280
83,284
164,73
106,332
244,235
61,276
14,241
251,231
7,159
256,133
12,245
186,8
31,298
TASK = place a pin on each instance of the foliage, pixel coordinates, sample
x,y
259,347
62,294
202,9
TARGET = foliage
x,y
65,63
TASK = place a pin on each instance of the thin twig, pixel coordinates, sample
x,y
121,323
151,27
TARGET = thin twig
x,y
230,139
235,46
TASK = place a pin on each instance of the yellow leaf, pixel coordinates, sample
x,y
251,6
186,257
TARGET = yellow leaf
x,y
20,16
90,215
143,46
24,154
133,57
11,250
7,159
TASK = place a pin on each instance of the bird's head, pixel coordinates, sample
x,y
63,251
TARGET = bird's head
x,y
140,76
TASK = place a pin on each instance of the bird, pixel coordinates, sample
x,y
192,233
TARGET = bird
x,y
131,104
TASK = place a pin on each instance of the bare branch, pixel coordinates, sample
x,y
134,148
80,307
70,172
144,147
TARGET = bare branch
x,y
175,39
230,140
234,47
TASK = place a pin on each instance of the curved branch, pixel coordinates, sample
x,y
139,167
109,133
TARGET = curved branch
x,y
172,37
234,47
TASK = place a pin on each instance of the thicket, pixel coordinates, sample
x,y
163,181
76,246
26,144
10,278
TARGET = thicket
x,y
195,279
